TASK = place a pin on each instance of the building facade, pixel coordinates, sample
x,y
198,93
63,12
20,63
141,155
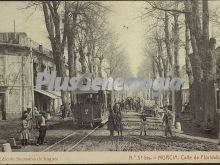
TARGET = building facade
x,y
20,60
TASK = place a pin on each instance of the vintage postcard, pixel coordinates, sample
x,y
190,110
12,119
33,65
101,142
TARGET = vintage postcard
x,y
109,82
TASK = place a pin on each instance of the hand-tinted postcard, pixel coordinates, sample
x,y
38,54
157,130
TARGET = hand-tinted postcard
x,y
109,81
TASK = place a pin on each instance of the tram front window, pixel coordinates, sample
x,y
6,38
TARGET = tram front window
x,y
95,99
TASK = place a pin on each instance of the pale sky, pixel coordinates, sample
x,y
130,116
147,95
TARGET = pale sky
x,y
126,13
123,13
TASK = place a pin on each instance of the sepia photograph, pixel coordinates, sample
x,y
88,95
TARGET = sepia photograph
x,y
109,81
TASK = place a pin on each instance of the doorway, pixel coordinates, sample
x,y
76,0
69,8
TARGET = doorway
x,y
2,106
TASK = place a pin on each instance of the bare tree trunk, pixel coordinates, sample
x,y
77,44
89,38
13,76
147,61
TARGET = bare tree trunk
x,y
168,47
100,67
71,53
193,20
74,63
167,39
187,48
154,69
188,64
52,21
82,60
208,77
178,94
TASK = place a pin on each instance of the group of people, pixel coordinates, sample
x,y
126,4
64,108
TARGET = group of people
x,y
130,104
133,103
39,120
167,121
115,120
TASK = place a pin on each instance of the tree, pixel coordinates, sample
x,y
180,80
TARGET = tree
x,y
202,62
57,39
171,42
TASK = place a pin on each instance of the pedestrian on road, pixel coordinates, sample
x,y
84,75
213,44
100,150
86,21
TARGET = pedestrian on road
x,y
168,120
111,122
116,107
42,128
25,133
121,105
62,110
68,110
143,126
118,123
156,108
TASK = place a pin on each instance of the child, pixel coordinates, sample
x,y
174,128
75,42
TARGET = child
x,y
25,134
143,125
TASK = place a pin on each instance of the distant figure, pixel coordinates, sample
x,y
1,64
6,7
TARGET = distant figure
x,y
68,110
186,107
121,105
42,128
36,116
118,123
111,122
156,108
168,120
116,107
143,126
36,112
62,110
25,134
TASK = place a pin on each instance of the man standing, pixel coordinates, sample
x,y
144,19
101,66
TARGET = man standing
x,y
168,120
42,128
62,110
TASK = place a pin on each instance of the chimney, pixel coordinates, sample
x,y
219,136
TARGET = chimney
x,y
41,48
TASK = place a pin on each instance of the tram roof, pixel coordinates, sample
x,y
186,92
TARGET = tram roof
x,y
88,91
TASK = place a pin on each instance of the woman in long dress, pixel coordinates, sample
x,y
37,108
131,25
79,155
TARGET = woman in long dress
x,y
118,123
111,122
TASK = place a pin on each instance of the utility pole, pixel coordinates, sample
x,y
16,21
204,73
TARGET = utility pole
x,y
22,81
32,76
14,26
173,93
14,36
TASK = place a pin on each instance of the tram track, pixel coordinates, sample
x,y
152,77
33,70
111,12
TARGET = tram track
x,y
81,140
71,141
